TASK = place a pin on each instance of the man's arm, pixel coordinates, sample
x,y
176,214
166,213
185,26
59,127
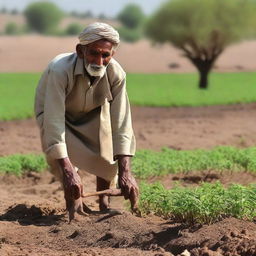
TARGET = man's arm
x,y
73,188
123,139
126,181
54,138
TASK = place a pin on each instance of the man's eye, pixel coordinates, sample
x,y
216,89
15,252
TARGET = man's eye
x,y
106,55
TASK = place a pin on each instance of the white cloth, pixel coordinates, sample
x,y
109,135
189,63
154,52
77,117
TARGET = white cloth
x,y
97,31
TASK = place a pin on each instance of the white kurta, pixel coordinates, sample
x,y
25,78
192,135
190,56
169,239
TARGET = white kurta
x,y
89,123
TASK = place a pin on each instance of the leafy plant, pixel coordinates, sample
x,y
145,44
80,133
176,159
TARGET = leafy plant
x,y
204,204
18,164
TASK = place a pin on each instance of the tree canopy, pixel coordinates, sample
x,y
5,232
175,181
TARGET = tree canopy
x,y
131,16
202,29
43,16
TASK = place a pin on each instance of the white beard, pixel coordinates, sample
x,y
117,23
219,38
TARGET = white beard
x,y
95,70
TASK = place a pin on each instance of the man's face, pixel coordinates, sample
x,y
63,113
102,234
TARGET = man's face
x,y
97,55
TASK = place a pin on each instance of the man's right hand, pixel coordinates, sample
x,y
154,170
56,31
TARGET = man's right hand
x,y
73,188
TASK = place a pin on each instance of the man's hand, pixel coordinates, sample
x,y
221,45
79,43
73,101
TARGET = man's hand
x,y
126,181
73,188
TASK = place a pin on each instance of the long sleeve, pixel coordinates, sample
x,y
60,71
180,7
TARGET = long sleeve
x,y
122,132
54,115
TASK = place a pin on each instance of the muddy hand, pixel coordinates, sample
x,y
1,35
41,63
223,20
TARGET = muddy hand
x,y
73,191
75,206
134,200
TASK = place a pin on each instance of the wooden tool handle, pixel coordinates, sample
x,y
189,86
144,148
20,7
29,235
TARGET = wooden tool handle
x,y
108,192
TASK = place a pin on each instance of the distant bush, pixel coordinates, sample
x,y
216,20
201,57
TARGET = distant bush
x,y
3,10
81,15
14,12
11,28
73,29
131,16
129,35
132,19
43,17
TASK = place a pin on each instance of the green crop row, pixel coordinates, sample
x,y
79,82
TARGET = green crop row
x,y
204,204
148,163
17,91
18,164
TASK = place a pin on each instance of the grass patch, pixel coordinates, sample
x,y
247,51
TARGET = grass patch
x,y
165,90
204,204
17,91
19,164
149,163
17,95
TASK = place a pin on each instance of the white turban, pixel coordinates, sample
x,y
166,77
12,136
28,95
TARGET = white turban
x,y
97,31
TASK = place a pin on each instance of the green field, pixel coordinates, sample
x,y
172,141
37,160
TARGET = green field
x,y
17,95
17,91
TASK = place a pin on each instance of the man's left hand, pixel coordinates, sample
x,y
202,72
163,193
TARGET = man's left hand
x,y
126,181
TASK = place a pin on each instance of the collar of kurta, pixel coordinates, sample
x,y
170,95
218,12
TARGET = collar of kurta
x,y
79,67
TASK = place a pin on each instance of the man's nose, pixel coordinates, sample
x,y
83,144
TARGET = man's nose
x,y
99,61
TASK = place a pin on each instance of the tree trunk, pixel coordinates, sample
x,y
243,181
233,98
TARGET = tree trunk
x,y
203,82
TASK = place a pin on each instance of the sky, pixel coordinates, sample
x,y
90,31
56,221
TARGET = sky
x,y
108,7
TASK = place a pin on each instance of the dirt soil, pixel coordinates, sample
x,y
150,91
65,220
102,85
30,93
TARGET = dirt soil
x,y
32,214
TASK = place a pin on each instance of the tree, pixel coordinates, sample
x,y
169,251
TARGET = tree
x,y
132,19
131,16
202,29
43,17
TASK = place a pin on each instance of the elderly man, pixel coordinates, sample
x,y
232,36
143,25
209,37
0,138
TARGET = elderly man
x,y
83,113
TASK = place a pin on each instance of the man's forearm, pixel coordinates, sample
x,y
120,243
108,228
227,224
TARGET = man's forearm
x,y
124,164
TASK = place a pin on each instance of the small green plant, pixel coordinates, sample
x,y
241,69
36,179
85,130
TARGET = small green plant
x,y
148,163
18,164
204,204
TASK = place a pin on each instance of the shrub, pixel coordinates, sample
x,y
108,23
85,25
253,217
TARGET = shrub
x,y
11,28
129,35
43,16
73,29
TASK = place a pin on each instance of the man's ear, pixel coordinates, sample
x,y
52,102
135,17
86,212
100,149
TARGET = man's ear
x,y
113,53
80,51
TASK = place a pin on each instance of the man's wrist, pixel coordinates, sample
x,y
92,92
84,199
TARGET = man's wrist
x,y
65,164
123,164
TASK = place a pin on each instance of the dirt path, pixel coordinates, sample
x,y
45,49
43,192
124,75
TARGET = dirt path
x,y
32,219
179,128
